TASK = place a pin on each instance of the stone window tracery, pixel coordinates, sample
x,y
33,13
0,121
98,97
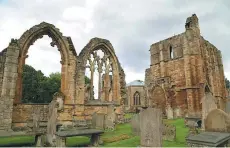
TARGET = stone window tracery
x,y
100,72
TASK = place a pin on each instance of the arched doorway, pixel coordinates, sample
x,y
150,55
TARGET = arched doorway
x,y
158,98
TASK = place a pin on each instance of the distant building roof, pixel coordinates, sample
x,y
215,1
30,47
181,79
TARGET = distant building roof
x,y
136,82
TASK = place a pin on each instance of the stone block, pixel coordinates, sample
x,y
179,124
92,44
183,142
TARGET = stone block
x,y
151,127
135,124
98,121
217,121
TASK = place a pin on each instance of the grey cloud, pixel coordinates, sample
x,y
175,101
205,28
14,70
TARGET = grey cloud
x,y
133,25
132,29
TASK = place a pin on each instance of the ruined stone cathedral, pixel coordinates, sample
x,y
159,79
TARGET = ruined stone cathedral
x,y
183,69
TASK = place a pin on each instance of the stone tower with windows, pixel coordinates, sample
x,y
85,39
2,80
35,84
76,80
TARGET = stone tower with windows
x,y
181,67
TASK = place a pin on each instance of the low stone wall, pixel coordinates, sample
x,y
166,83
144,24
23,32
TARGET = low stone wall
x,y
24,115
90,110
24,112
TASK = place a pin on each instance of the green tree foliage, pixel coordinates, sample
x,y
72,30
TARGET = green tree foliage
x,y
37,88
227,83
87,80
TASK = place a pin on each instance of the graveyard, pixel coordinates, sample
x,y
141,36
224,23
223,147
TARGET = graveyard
x,y
182,101
121,137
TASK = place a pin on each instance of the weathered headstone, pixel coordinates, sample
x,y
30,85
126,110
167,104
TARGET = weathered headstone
x,y
169,112
208,104
169,132
111,113
36,118
151,127
135,123
98,121
110,117
55,106
217,121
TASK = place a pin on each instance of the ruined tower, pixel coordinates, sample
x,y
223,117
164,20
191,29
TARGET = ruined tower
x,y
181,67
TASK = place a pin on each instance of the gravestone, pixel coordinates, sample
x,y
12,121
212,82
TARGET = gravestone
x,y
208,104
110,117
169,132
217,121
151,127
55,106
36,118
135,123
111,113
98,121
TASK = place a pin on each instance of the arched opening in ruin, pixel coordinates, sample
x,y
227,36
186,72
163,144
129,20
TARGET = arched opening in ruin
x,y
99,76
62,44
136,98
159,98
99,63
41,75
171,52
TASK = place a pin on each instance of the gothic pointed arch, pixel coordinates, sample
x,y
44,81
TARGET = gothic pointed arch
x,y
68,57
118,79
137,98
158,97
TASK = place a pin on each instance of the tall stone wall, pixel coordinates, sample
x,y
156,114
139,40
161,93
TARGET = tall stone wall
x,y
2,65
9,85
13,59
214,72
182,66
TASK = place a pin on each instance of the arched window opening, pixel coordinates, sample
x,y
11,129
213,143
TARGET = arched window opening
x,y
136,98
171,52
99,73
41,75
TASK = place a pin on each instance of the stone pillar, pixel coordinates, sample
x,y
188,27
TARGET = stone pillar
x,y
9,85
91,85
188,76
80,84
63,80
2,65
106,86
162,63
115,86
100,64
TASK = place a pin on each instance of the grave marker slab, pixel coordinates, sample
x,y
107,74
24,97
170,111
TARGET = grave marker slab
x,y
151,127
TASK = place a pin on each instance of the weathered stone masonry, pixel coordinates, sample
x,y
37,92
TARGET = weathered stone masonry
x,y
15,115
181,67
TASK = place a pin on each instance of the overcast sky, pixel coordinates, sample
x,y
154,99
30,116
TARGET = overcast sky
x,y
130,25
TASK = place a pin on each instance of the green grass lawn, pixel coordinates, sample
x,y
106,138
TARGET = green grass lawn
x,y
121,137
128,115
17,141
134,141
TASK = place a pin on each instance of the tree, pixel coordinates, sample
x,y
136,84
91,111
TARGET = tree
x,y
87,80
31,84
227,83
37,88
